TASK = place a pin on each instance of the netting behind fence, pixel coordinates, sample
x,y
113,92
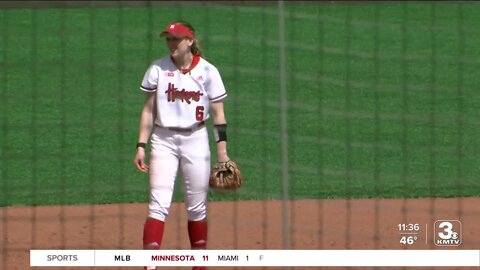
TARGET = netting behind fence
x,y
333,108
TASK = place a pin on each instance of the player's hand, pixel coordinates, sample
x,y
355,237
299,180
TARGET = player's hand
x,y
139,160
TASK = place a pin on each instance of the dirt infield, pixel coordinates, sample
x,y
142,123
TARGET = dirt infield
x,y
314,224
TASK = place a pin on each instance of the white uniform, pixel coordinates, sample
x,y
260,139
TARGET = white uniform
x,y
179,136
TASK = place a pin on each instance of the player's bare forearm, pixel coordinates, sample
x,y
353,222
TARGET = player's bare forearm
x,y
218,113
219,118
145,127
222,152
146,118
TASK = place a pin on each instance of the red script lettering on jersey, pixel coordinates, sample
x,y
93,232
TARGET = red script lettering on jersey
x,y
173,94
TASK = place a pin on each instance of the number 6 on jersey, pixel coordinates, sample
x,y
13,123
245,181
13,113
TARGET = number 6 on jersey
x,y
199,113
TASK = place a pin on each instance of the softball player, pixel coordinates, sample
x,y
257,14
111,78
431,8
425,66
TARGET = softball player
x,y
181,90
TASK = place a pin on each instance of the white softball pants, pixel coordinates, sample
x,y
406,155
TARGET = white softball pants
x,y
190,151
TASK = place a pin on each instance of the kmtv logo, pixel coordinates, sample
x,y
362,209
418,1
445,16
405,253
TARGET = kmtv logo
x,y
447,233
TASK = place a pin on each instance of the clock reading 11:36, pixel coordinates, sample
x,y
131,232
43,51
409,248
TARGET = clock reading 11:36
x,y
408,227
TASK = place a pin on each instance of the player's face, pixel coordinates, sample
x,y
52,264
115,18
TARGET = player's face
x,y
178,45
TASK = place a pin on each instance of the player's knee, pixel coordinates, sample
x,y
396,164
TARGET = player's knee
x,y
197,212
159,213
194,216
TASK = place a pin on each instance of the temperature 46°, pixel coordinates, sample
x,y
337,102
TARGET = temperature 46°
x,y
408,240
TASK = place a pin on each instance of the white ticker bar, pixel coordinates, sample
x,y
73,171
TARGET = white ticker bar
x,y
265,258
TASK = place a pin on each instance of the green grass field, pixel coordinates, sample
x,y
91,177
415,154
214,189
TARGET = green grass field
x,y
383,100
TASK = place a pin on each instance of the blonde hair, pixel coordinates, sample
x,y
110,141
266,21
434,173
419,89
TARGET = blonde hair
x,y
195,48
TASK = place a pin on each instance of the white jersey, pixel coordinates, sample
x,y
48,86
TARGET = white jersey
x,y
183,98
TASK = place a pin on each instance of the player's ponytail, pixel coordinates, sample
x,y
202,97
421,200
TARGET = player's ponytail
x,y
195,48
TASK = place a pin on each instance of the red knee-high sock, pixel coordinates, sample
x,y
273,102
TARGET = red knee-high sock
x,y
152,233
197,231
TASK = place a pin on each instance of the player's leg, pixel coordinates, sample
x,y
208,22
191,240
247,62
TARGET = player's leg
x,y
162,173
195,166
163,168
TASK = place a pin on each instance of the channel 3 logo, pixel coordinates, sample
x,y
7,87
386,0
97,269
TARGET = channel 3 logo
x,y
447,233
